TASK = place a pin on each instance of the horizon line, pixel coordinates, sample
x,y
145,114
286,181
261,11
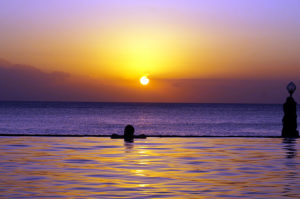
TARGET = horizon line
x,y
133,102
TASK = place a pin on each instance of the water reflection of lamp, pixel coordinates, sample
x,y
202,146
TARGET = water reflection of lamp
x,y
289,147
291,87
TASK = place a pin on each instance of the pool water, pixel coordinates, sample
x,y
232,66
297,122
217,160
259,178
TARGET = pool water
x,y
94,167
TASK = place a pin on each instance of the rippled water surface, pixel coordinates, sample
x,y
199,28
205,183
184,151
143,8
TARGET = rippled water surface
x,y
37,167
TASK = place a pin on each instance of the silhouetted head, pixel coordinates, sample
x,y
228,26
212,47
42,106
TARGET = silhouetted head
x,y
128,133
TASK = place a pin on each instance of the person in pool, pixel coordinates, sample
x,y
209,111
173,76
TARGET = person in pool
x,y
128,134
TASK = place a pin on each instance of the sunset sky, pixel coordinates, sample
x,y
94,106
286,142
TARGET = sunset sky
x,y
233,51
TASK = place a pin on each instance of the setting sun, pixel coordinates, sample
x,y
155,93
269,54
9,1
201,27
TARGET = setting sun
x,y
144,80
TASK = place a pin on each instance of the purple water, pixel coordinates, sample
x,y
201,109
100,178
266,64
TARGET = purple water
x,y
148,118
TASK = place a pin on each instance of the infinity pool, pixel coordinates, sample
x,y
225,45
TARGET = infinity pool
x,y
54,167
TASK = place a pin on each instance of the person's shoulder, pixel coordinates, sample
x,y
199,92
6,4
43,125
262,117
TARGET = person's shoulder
x,y
142,136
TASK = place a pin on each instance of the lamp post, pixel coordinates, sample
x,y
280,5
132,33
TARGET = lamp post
x,y
289,120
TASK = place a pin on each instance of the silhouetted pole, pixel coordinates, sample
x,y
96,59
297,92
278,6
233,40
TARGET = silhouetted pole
x,y
289,120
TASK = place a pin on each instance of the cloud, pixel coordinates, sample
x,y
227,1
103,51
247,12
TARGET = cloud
x,y
27,83
3,63
229,90
21,82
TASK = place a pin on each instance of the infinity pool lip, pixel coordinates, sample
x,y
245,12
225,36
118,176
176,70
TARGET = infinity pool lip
x,y
162,136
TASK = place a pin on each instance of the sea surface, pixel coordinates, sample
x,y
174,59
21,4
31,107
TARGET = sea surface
x,y
99,167
72,118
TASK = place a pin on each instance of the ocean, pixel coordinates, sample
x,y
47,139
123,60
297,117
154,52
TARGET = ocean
x,y
75,118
